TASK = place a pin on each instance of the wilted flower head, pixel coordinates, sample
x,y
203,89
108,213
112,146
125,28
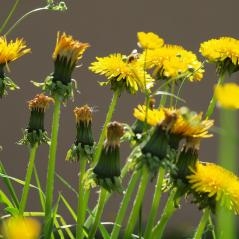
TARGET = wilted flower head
x,y
223,51
20,228
213,181
40,102
227,95
122,73
149,40
172,61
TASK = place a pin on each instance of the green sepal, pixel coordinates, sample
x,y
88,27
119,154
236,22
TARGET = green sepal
x,y
57,88
61,6
7,83
33,137
73,154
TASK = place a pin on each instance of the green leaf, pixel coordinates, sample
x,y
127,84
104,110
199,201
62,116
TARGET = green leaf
x,y
159,92
66,183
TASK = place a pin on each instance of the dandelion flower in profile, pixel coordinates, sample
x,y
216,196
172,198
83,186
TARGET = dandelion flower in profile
x,y
149,40
122,72
223,51
66,54
172,61
10,51
227,95
214,181
20,228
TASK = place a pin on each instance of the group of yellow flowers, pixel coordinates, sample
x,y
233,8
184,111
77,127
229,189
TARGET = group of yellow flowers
x,y
159,65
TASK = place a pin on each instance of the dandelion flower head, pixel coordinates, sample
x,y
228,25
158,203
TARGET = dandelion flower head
x,y
149,40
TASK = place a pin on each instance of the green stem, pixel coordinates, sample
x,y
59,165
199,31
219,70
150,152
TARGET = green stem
x,y
212,103
26,187
155,204
107,120
100,208
124,205
81,197
211,224
137,203
172,92
202,224
226,221
169,209
23,17
51,166
9,15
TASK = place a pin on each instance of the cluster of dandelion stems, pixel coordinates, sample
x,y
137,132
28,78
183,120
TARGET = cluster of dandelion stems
x,y
164,140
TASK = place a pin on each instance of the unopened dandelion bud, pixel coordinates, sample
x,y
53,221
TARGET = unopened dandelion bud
x,y
35,132
107,170
84,141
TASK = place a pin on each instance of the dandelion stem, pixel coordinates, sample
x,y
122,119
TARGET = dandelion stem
x,y
51,166
202,224
81,196
226,221
100,208
124,204
212,103
107,120
169,209
23,17
30,168
9,15
137,203
155,204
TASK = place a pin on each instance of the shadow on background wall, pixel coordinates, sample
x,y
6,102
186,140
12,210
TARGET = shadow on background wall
x,y
109,26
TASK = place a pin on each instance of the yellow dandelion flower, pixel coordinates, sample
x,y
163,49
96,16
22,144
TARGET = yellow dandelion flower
x,y
21,228
10,51
190,124
69,49
122,73
172,61
154,116
227,95
218,50
216,182
149,40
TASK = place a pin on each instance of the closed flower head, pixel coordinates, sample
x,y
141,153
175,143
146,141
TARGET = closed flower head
x,y
149,40
107,170
212,181
66,54
20,228
227,95
122,73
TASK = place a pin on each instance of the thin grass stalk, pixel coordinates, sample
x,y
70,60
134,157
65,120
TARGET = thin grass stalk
x,y
155,204
137,203
26,187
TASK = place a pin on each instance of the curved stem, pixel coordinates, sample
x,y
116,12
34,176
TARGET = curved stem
x,y
212,103
26,187
9,15
169,209
137,203
124,205
81,196
100,208
155,204
23,17
202,224
51,166
107,120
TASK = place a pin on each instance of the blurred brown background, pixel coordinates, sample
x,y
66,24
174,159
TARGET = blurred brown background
x,y
109,26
